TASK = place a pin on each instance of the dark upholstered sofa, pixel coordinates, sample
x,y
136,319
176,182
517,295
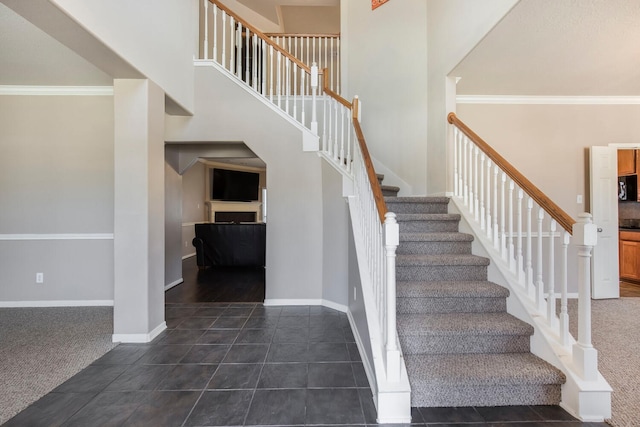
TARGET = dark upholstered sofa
x,y
227,244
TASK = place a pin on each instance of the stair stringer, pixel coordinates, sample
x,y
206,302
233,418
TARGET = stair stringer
x,y
586,400
392,399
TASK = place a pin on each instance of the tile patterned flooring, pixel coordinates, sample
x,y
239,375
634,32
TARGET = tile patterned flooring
x,y
245,364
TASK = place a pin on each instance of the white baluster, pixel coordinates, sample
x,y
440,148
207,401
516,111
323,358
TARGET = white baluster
x,y
325,141
314,90
295,85
539,282
585,356
488,231
224,43
511,253
342,138
302,74
279,81
215,32
271,77
496,232
470,174
307,52
519,257
475,184
254,64
245,49
503,232
465,177
205,42
456,133
333,73
335,130
349,131
263,86
564,312
482,186
551,291
338,66
529,267
287,67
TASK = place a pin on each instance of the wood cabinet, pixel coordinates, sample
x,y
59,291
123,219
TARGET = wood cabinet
x,y
627,162
630,255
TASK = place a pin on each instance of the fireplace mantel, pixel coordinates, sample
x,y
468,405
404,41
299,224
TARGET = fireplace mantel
x,y
214,206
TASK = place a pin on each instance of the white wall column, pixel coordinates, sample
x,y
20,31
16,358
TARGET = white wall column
x,y
138,314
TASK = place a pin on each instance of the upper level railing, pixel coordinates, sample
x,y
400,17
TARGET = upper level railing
x,y
286,81
520,223
323,49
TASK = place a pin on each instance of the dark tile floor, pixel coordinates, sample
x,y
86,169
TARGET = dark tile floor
x,y
244,364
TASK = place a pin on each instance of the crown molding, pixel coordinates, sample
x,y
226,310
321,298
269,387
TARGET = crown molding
x,y
548,100
56,90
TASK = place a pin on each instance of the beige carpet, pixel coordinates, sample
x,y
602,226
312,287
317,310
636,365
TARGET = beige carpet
x,y
40,348
616,336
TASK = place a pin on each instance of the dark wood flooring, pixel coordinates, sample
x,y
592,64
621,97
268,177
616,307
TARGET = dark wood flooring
x,y
217,284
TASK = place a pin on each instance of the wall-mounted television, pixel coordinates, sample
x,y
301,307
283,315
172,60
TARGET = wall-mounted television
x,y
234,186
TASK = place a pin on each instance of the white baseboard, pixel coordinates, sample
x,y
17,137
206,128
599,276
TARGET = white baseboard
x,y
368,369
323,302
69,303
139,338
188,256
172,284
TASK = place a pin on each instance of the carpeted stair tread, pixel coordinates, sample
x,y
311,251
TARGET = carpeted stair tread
x,y
480,370
443,200
443,236
428,217
461,324
412,260
444,289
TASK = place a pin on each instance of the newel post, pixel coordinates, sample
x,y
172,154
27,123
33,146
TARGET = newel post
x,y
391,242
314,92
585,357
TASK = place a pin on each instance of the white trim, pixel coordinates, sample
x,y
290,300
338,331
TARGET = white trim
x,y
190,224
188,256
558,100
56,90
63,303
368,369
139,338
323,302
173,284
65,236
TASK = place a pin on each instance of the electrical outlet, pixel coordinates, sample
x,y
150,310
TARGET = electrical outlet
x,y
355,293
186,245
39,277
579,199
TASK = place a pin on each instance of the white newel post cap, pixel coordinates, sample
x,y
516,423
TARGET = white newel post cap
x,y
585,232
391,230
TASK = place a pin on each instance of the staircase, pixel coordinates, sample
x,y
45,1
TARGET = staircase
x,y
387,190
460,346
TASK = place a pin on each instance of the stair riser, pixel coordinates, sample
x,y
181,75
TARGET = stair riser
x,y
434,248
441,272
451,305
417,208
464,344
389,193
427,226
444,395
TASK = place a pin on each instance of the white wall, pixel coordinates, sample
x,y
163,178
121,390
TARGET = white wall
x,y
193,207
165,34
173,247
549,143
56,182
384,62
454,28
227,112
335,225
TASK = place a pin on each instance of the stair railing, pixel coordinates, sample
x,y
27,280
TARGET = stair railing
x,y
259,62
520,222
275,74
323,49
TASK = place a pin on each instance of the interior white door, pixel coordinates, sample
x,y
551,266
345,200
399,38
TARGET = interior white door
x,y
604,208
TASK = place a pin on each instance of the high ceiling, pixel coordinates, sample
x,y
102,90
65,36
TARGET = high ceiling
x,y
558,47
542,47
291,15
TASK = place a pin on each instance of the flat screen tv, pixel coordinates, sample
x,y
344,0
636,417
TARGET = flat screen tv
x,y
234,186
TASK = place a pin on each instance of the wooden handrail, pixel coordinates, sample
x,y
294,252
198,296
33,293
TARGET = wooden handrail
x,y
536,194
301,35
332,94
371,173
261,35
